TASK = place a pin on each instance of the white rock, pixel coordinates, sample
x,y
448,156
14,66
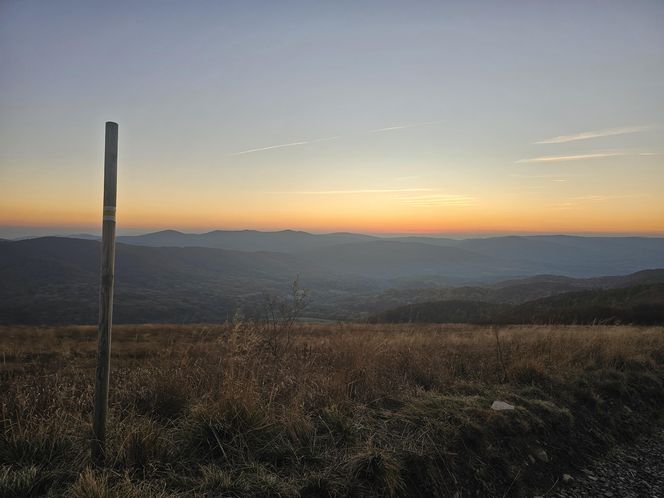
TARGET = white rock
x,y
501,405
567,478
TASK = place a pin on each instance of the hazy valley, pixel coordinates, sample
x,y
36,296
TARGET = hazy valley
x,y
174,277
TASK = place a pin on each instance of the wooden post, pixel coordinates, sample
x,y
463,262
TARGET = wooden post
x,y
105,294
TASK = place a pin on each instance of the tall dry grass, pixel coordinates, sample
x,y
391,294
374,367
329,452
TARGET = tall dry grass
x,y
340,410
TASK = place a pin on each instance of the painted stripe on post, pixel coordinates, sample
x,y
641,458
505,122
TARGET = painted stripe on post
x,y
109,213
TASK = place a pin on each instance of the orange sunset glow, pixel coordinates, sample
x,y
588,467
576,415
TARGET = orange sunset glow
x,y
379,212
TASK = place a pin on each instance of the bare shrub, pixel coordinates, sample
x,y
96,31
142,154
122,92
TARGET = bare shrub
x,y
279,317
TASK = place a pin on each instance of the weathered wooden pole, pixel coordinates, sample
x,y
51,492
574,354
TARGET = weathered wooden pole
x,y
105,294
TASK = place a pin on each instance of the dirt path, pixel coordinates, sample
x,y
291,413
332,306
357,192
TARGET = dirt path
x,y
631,471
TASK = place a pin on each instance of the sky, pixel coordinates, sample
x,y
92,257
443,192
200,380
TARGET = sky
x,y
367,116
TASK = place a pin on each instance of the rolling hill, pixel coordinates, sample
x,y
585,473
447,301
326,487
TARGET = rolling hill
x,y
515,291
639,304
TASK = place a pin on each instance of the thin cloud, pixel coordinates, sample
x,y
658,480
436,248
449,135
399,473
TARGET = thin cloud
x,y
357,191
546,176
280,146
604,198
437,200
390,128
404,127
576,157
594,198
553,178
325,139
517,175
586,135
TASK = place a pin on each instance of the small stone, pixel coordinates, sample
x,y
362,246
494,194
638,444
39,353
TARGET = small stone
x,y
567,478
542,456
501,405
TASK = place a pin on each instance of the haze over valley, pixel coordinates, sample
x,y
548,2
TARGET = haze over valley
x,y
172,276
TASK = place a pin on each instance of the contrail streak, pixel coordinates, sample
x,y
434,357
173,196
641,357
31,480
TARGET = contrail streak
x,y
586,135
292,144
280,146
577,157
403,127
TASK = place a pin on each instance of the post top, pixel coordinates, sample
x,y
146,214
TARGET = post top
x,y
111,123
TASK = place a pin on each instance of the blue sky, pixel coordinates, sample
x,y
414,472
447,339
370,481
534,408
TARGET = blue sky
x,y
368,116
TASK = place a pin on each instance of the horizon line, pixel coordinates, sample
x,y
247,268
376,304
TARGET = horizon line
x,y
71,231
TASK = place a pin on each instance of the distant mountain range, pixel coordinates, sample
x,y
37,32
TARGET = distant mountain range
x,y
245,240
577,255
171,276
472,259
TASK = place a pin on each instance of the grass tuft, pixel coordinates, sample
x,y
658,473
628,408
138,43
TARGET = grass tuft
x,y
377,472
22,482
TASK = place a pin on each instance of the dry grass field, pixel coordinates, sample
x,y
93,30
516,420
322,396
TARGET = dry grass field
x,y
321,410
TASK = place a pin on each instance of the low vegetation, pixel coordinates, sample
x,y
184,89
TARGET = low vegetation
x,y
281,409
